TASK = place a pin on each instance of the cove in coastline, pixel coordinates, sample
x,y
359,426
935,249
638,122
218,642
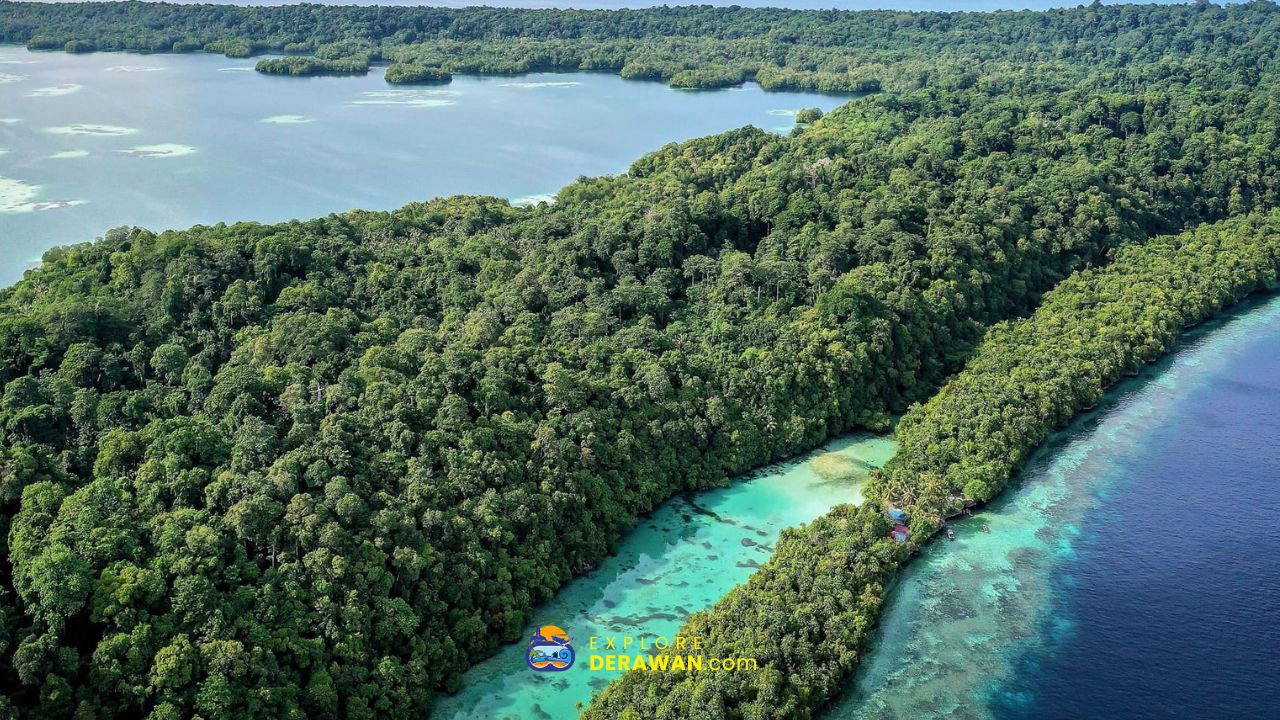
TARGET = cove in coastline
x,y
1130,572
682,558
169,141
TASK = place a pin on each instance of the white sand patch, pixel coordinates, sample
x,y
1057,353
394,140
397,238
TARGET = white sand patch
x,y
91,130
531,200
134,68
69,154
238,68
4,151
55,90
10,121
20,197
782,112
407,98
421,102
410,93
9,59
162,150
6,78
530,85
287,120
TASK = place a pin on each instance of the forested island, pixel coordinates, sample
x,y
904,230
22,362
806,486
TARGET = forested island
x,y
687,47
319,468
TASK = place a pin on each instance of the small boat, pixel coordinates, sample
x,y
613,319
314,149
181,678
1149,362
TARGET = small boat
x,y
951,534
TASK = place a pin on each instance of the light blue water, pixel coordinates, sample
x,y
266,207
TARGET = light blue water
x,y
683,558
1133,572
90,142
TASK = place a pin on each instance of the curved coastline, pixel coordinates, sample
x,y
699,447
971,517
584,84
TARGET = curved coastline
x,y
967,620
956,453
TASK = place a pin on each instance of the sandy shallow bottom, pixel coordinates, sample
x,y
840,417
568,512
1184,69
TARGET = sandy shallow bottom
x,y
970,619
681,559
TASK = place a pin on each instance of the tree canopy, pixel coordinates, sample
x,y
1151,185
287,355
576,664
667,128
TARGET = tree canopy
x,y
807,614
693,46
319,468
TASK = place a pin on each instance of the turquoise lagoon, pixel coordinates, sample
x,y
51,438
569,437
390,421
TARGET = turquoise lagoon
x,y
679,560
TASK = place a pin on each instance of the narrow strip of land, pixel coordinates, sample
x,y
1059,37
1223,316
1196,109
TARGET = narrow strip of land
x,y
807,615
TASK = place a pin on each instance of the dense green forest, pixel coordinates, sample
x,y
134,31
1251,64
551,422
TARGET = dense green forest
x,y
697,46
404,73
318,468
807,614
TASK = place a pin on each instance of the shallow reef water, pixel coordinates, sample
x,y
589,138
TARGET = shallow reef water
x,y
1112,581
680,559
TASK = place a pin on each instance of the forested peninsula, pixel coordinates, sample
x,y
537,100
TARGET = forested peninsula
x,y
808,613
319,468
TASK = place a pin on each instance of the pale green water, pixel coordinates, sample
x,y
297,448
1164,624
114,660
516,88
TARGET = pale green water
x,y
683,558
90,142
969,620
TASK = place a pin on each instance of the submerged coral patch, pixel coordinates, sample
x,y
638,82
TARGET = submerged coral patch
x,y
531,200
134,68
161,150
17,196
835,466
287,120
407,98
91,130
56,90
531,85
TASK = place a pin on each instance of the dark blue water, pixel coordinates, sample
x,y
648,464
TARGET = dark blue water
x,y
1174,595
1132,571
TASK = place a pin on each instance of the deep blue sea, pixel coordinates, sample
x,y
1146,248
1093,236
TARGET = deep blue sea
x,y
1132,572
1173,597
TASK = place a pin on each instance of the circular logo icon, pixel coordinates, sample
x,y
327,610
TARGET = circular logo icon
x,y
549,650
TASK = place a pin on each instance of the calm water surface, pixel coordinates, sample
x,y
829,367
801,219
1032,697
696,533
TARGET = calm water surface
x,y
1133,573
89,142
683,558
